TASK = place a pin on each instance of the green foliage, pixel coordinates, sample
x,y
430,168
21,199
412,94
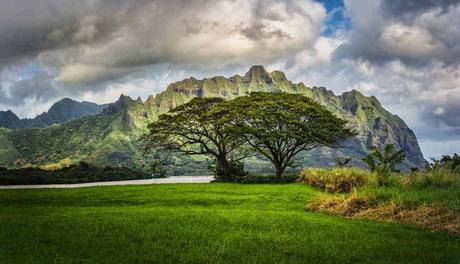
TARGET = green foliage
x,y
450,163
280,125
194,129
335,180
384,162
233,172
159,163
79,173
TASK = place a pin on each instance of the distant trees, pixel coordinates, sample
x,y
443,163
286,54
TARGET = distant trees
x,y
451,163
75,173
276,125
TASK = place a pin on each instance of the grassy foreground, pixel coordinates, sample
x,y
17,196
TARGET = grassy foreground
x,y
207,223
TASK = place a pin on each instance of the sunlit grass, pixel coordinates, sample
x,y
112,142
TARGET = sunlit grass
x,y
207,223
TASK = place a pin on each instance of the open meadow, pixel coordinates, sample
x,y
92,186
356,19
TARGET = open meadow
x,y
203,223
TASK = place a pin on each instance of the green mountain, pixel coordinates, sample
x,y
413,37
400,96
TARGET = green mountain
x,y
62,111
111,137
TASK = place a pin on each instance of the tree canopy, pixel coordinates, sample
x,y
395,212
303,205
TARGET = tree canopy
x,y
280,125
193,128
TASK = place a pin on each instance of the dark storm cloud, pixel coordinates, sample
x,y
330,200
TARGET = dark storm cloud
x,y
445,115
30,27
396,8
89,42
416,32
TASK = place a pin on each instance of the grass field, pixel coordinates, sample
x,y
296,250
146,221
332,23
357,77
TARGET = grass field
x,y
201,223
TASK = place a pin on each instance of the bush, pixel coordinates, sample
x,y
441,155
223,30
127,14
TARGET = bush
x,y
268,179
236,172
335,180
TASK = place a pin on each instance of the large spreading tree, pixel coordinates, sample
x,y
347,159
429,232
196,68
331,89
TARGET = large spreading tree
x,y
280,125
194,129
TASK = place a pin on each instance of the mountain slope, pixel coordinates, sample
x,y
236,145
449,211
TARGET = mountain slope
x,y
111,137
62,111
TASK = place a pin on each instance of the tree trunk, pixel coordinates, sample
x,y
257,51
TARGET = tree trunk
x,y
222,168
279,172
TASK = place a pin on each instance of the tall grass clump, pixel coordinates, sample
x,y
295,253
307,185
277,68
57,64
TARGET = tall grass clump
x,y
428,198
441,177
336,180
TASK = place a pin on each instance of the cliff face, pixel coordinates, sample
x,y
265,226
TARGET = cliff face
x,y
111,137
376,126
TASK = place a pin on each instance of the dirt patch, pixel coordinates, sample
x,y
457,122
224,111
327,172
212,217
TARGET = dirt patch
x,y
434,217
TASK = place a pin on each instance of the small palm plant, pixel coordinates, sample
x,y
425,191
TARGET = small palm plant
x,y
342,162
383,162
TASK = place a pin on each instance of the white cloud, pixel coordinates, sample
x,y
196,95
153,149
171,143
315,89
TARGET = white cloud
x,y
409,41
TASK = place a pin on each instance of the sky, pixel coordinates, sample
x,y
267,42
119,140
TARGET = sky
x,y
406,53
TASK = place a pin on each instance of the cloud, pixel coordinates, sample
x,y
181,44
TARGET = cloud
x,y
415,31
411,42
397,8
89,42
39,87
403,52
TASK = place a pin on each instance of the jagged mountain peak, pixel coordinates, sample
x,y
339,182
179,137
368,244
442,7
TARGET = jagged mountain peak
x,y
258,74
278,76
121,104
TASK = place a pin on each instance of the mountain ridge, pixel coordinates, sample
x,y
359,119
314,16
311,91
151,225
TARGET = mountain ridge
x,y
63,110
111,137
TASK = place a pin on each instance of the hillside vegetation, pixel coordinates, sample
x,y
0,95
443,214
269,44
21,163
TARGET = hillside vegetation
x,y
111,138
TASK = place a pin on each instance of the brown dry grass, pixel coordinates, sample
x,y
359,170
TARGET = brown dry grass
x,y
433,217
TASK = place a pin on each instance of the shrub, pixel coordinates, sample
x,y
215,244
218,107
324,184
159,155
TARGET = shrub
x,y
269,179
235,172
335,180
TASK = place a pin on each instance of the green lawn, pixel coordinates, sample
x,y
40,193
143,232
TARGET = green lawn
x,y
207,223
